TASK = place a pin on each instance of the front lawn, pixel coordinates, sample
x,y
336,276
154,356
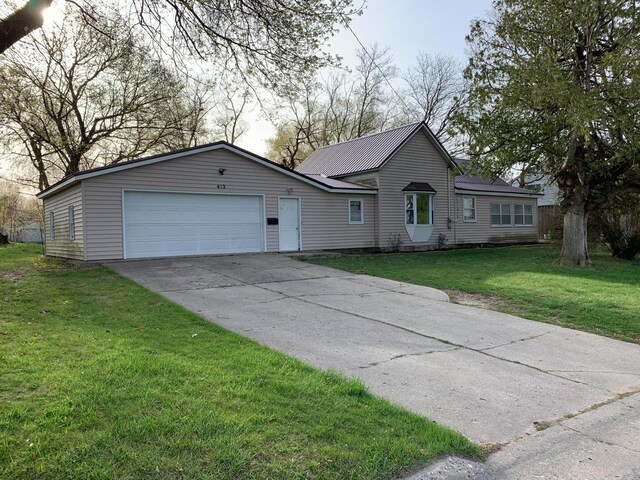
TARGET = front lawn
x,y
603,298
100,378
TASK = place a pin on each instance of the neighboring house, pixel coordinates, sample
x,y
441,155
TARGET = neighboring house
x,y
544,185
26,232
376,192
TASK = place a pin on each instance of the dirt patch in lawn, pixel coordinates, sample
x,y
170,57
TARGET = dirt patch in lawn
x,y
477,300
12,275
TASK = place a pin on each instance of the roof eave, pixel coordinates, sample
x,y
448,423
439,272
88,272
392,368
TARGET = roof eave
x,y
497,194
80,176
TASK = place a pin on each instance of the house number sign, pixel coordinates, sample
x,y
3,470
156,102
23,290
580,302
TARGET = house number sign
x,y
222,186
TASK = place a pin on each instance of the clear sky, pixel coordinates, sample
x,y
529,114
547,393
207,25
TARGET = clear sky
x,y
407,27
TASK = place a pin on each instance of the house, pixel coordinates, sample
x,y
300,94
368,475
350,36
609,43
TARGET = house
x,y
396,188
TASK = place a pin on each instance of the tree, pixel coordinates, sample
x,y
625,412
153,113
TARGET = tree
x,y
339,107
230,106
555,86
434,91
269,42
73,99
16,211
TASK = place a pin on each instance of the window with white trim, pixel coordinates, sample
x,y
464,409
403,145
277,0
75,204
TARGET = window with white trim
x,y
468,209
52,225
500,214
72,223
356,214
523,215
418,209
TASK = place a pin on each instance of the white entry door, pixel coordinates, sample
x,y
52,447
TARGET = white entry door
x,y
163,224
289,222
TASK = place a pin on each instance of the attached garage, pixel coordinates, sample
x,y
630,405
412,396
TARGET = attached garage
x,y
168,224
212,199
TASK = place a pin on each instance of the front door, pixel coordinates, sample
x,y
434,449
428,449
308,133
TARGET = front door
x,y
289,222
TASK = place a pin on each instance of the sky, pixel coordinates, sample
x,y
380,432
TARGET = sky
x,y
407,27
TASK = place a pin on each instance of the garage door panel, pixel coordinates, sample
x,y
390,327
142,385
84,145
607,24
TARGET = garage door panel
x,y
175,224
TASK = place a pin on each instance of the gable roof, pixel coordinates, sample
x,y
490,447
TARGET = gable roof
x,y
481,184
311,180
365,153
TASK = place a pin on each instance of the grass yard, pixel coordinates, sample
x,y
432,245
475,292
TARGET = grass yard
x,y
100,378
603,298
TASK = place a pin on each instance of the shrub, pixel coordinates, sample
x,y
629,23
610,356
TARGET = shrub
x,y
619,228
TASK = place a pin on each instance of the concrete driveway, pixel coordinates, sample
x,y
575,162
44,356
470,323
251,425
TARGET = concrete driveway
x,y
493,377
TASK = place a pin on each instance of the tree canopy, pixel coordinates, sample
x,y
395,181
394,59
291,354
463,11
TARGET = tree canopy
x,y
555,88
72,100
269,42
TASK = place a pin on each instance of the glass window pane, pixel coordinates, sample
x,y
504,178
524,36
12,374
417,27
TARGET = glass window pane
x,y
506,214
469,208
467,202
517,209
495,209
528,209
422,206
528,219
355,211
409,210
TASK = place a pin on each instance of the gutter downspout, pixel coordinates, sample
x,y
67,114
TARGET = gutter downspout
x,y
449,219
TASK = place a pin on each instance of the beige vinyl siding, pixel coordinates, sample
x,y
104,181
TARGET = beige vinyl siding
x,y
324,220
62,245
481,231
416,161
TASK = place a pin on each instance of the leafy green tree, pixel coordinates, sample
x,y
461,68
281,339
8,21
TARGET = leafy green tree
x,y
555,86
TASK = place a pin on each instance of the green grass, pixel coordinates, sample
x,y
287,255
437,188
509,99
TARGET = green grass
x,y
100,378
603,298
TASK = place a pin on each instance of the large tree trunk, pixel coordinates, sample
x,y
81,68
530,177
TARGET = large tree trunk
x,y
574,242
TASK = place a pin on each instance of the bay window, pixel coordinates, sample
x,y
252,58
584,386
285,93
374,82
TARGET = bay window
x,y
418,208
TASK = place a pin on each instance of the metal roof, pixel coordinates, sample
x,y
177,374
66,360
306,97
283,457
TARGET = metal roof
x,y
419,187
336,183
357,155
481,184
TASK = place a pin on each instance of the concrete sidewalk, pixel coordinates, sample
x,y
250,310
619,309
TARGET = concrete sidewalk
x,y
491,376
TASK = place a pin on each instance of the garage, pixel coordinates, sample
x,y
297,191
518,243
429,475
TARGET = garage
x,y
168,224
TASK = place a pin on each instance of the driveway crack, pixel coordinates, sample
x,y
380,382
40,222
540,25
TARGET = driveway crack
x,y
453,344
532,337
598,440
403,355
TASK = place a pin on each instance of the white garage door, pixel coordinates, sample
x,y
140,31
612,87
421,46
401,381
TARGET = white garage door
x,y
175,224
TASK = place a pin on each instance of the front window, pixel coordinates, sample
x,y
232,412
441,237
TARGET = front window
x,y
418,207
355,211
500,214
469,209
523,215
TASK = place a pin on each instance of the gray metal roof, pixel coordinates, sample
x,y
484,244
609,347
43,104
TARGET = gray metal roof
x,y
335,183
481,184
357,155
